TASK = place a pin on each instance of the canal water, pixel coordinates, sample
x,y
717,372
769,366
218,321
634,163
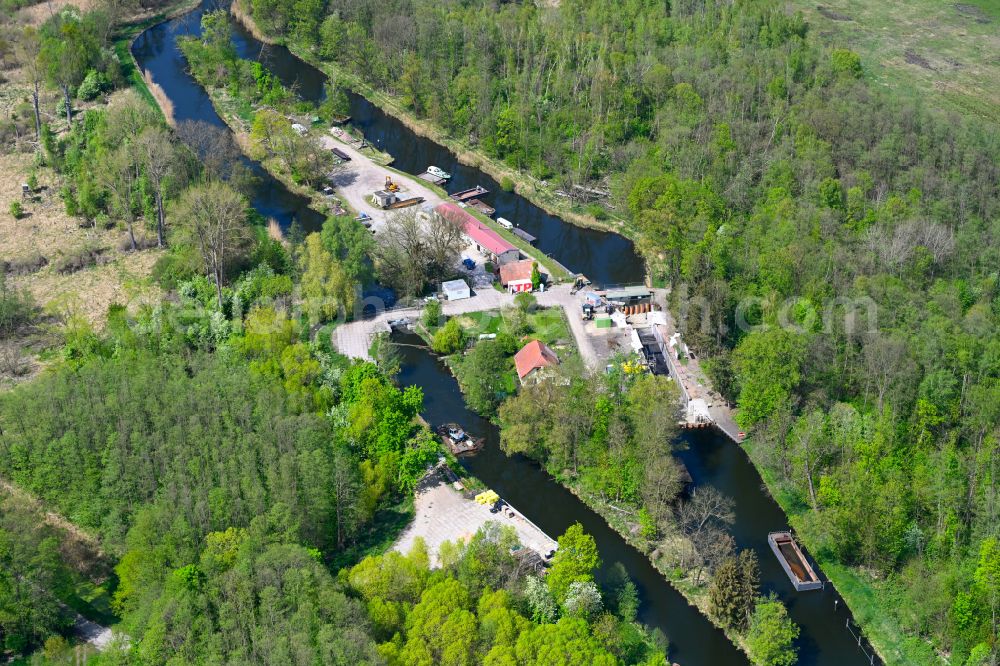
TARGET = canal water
x,y
605,258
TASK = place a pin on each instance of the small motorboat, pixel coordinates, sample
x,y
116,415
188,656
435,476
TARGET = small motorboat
x,y
438,172
458,440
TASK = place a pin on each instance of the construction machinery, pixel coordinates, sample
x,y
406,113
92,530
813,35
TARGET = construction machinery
x,y
390,186
580,282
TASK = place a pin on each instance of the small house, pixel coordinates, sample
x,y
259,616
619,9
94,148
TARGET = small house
x,y
383,199
533,361
456,290
516,276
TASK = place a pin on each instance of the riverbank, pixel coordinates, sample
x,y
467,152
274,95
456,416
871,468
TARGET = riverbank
x,y
228,108
664,554
525,185
862,594
133,73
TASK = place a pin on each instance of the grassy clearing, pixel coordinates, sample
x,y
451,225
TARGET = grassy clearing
x,y
942,52
48,237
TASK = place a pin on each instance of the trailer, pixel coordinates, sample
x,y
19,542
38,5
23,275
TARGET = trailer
x,y
795,564
405,203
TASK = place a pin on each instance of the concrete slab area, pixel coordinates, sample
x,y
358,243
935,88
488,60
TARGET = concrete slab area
x,y
444,514
357,179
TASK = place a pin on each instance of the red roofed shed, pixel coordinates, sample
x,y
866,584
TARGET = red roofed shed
x,y
533,357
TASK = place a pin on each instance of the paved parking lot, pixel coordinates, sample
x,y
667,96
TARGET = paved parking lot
x,y
444,514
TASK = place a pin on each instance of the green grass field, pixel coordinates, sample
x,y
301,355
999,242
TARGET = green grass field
x,y
945,53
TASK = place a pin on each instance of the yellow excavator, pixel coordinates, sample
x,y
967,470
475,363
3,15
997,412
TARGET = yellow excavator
x,y
390,186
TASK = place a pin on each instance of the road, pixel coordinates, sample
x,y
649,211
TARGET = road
x,y
353,339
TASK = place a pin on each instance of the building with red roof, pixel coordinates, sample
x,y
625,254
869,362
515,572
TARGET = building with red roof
x,y
532,360
486,240
516,275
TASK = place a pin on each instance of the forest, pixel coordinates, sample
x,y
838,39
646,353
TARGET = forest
x,y
234,482
832,248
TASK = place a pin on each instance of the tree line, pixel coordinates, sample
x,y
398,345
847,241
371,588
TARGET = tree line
x,y
765,176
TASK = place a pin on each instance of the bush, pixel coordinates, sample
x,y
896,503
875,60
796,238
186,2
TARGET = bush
x,y
450,339
598,211
526,302
16,210
432,313
507,184
846,62
94,84
178,265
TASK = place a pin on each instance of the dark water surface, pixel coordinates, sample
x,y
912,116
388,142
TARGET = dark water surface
x,y
605,258
712,460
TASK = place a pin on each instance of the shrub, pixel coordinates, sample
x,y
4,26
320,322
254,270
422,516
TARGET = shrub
x,y
93,85
450,339
847,62
432,313
507,184
598,211
16,210
178,265
526,301
16,308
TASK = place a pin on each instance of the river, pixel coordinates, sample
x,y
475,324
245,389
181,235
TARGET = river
x,y
607,259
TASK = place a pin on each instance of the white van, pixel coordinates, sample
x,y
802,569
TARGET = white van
x,y
505,223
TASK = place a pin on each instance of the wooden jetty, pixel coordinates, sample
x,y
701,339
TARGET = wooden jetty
x,y
457,440
471,193
795,564
481,207
524,235
431,178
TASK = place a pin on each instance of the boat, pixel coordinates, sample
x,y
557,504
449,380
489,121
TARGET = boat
x,y
505,223
457,440
481,207
440,173
470,193
795,564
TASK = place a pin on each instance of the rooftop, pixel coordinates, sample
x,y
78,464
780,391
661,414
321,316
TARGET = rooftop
x,y
478,232
638,291
515,271
533,356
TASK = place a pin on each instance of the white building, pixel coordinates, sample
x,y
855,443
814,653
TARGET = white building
x,y
456,290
